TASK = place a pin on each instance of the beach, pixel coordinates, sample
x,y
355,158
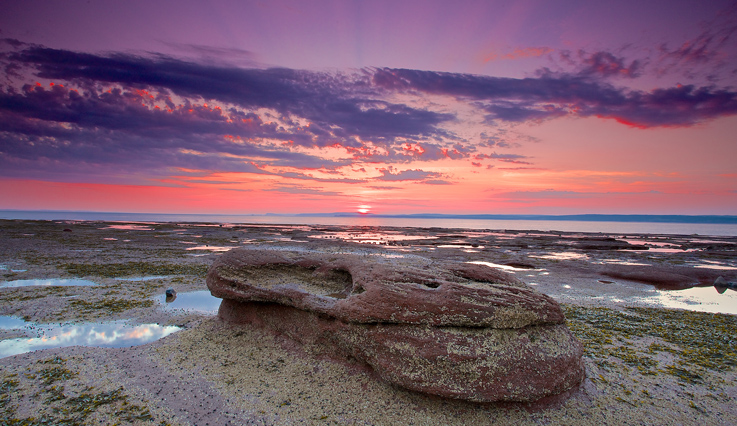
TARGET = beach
x,y
659,345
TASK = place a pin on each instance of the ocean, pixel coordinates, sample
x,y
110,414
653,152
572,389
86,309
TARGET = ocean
x,y
603,226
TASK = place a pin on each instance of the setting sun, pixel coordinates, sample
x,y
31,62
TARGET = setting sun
x,y
363,209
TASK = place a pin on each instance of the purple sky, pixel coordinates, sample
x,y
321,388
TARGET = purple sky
x,y
390,107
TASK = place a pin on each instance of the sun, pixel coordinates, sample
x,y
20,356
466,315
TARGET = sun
x,y
364,209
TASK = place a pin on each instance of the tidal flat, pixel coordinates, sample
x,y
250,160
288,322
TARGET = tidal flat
x,y
659,338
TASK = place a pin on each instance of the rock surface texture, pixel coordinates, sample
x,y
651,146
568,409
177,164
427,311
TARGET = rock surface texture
x,y
455,330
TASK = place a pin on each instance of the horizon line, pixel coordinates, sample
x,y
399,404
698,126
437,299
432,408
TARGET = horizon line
x,y
589,217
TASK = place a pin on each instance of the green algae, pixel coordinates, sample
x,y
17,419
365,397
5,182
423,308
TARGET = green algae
x,y
7,387
695,340
110,306
54,372
116,270
64,406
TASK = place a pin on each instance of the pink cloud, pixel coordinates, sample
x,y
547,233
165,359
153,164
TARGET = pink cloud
x,y
517,53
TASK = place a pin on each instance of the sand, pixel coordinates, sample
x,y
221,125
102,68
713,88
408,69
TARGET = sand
x,y
644,364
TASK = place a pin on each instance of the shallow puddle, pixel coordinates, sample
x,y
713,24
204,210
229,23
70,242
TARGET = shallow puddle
x,y
620,262
194,301
5,268
130,227
649,242
702,299
712,264
116,334
665,250
49,282
720,267
564,255
503,267
146,278
211,248
371,237
9,323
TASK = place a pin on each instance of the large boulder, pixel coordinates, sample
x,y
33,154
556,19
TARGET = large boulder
x,y
455,330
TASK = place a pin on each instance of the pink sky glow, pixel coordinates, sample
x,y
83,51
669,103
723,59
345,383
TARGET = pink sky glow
x,y
526,107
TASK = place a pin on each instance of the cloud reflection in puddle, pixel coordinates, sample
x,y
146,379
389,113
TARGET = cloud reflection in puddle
x,y
117,334
702,299
50,282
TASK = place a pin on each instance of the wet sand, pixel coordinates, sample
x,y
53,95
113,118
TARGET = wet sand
x,y
644,363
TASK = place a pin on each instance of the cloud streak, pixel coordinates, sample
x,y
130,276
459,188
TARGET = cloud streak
x,y
417,175
553,95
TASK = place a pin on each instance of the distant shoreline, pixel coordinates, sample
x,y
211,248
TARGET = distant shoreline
x,y
714,219
625,218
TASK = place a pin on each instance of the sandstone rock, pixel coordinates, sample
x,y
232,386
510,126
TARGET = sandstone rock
x,y
664,277
454,329
607,243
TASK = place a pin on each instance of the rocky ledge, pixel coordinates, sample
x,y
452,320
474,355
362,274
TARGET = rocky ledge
x,y
455,330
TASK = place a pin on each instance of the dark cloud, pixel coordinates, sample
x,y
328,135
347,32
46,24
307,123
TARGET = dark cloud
x,y
298,189
506,158
12,42
305,176
210,182
518,113
551,95
391,174
709,55
215,54
325,98
706,47
521,168
605,64
556,194
117,127
236,189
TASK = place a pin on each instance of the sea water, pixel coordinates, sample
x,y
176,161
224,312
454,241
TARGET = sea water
x,y
609,227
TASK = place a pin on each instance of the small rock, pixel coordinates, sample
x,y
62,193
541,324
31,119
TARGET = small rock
x,y
170,292
720,282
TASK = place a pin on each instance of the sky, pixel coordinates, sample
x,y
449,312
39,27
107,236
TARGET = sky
x,y
383,107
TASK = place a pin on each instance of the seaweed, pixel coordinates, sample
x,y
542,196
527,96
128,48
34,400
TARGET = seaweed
x,y
695,339
111,305
61,409
115,270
